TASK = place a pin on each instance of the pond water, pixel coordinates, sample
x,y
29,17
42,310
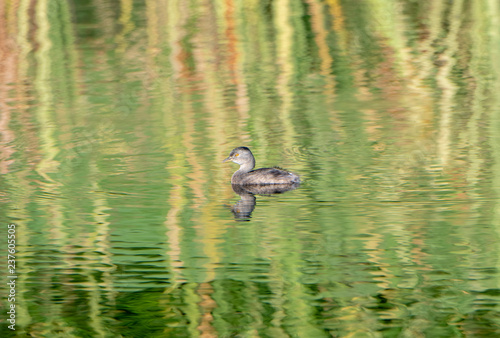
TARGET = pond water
x,y
115,119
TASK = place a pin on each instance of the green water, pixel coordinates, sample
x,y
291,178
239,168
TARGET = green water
x,y
116,116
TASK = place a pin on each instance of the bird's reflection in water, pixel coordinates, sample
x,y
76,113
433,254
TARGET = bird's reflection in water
x,y
243,209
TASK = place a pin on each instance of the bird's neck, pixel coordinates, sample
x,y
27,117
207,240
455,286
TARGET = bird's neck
x,y
246,167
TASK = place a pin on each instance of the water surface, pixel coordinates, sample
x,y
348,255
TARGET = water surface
x,y
115,118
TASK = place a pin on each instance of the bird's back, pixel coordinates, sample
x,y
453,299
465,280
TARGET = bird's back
x,y
266,176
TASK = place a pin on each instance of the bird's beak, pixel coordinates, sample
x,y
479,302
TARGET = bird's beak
x,y
227,159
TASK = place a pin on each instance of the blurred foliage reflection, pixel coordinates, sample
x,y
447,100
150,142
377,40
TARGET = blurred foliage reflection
x,y
115,116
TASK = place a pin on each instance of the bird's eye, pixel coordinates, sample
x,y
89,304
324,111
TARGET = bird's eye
x,y
236,155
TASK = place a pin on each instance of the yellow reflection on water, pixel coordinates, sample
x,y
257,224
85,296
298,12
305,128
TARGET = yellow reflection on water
x,y
114,124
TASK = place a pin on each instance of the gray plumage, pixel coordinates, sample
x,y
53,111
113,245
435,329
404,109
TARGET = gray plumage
x,y
247,176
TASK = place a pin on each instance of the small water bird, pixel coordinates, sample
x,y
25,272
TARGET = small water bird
x,y
247,176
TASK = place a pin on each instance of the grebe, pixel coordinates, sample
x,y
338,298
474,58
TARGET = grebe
x,y
246,175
